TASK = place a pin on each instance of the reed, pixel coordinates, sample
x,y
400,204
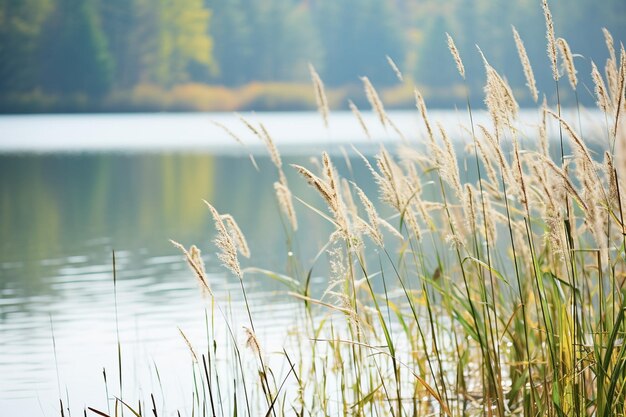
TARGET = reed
x,y
502,295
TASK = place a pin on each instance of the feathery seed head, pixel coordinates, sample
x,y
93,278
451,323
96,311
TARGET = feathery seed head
x,y
528,71
455,54
359,117
374,100
568,59
602,99
224,242
395,68
320,94
194,260
285,201
551,39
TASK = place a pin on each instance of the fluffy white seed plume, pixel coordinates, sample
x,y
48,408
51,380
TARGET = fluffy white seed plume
x,y
235,233
568,60
449,169
224,242
619,94
265,136
330,192
374,100
611,63
501,103
528,70
372,227
194,260
252,342
320,94
285,201
600,89
455,54
551,39
395,68
359,117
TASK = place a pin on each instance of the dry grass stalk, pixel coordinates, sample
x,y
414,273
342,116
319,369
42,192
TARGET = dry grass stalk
x,y
285,201
374,100
329,190
486,158
455,54
543,129
346,193
612,201
602,99
395,68
329,173
469,208
499,99
610,46
196,257
194,260
500,158
189,345
568,59
375,221
316,182
398,191
449,170
569,187
421,106
359,117
580,146
250,126
320,95
519,175
528,70
252,342
224,242
491,223
236,139
371,226
271,147
283,194
553,235
236,234
551,39
611,63
544,189
229,132
396,129
391,173
619,94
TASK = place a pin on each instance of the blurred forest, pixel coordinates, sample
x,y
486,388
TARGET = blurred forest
x,y
125,55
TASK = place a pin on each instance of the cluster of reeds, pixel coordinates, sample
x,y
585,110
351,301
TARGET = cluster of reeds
x,y
502,295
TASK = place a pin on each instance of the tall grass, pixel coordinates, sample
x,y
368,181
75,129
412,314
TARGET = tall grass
x,y
501,296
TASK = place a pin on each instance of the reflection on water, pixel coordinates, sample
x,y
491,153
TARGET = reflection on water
x,y
60,218
61,215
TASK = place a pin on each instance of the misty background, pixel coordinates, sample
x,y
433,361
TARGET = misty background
x,y
142,55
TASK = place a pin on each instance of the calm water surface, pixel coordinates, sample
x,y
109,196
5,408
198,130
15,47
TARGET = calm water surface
x,y
75,188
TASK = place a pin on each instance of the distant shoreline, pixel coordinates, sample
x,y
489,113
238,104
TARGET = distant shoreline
x,y
194,97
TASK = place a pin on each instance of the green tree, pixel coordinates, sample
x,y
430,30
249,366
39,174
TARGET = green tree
x,y
119,23
265,40
173,35
20,23
436,67
73,50
284,40
231,31
356,36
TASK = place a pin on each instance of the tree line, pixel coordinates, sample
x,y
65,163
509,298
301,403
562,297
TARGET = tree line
x,y
95,47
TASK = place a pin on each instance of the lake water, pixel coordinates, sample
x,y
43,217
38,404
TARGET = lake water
x,y
75,188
